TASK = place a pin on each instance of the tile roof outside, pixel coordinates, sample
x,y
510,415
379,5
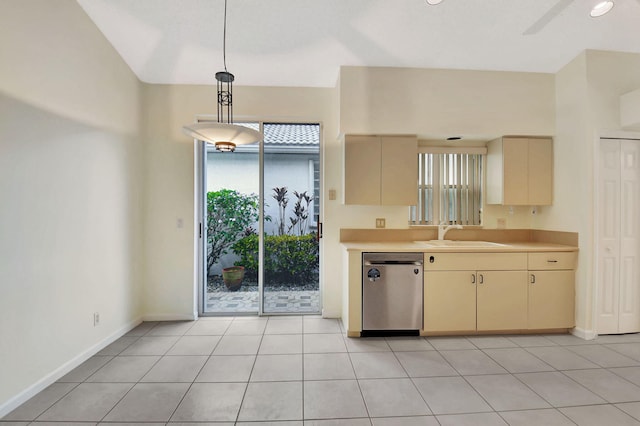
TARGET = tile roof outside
x,y
290,134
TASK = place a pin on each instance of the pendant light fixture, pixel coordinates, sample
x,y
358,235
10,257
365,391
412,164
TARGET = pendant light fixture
x,y
223,134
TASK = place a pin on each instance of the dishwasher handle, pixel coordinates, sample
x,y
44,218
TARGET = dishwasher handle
x,y
392,262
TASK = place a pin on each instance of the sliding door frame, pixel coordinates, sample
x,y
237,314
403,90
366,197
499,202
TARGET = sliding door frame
x,y
200,215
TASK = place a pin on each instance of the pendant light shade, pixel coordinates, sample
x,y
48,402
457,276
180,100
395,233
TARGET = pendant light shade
x,y
223,134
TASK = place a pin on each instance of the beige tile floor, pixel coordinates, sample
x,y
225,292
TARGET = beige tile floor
x,y
299,370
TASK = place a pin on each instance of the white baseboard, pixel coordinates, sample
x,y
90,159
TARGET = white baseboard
x,y
22,397
170,317
584,334
327,313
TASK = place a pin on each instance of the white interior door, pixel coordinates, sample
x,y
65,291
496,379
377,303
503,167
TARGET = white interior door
x,y
629,237
618,307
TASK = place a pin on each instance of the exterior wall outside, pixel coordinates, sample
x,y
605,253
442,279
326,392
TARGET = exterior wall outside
x,y
239,171
70,181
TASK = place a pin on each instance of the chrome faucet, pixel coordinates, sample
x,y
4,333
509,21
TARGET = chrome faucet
x,y
443,229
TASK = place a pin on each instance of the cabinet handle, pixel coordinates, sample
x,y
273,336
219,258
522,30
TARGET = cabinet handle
x,y
552,261
473,278
481,279
533,279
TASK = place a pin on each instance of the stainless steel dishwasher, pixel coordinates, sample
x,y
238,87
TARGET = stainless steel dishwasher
x,y
392,301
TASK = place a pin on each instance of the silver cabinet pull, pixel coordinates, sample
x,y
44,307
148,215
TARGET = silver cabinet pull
x,y
533,279
473,278
552,261
481,279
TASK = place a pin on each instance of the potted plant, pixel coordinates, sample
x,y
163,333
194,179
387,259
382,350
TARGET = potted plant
x,y
232,277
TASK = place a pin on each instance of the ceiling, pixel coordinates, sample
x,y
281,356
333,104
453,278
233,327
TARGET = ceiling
x,y
304,42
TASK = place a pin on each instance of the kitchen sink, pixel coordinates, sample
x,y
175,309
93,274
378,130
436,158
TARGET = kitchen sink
x,y
459,243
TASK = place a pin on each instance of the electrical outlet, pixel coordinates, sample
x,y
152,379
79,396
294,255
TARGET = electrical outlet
x,y
380,222
96,319
502,223
332,194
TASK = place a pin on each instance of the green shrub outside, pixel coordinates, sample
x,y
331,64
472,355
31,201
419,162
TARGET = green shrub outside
x,y
288,258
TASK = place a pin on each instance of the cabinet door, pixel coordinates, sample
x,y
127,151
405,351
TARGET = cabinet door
x,y
516,175
502,300
540,172
551,299
399,177
449,301
362,172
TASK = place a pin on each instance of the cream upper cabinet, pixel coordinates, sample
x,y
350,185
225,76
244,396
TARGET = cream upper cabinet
x,y
520,171
381,170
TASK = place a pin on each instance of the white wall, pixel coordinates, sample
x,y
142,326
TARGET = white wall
x,y
588,93
430,103
169,271
572,187
69,173
73,118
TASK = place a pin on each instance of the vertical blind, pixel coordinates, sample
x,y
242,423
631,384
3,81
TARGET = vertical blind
x,y
449,189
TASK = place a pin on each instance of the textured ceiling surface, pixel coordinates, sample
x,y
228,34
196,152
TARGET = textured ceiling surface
x,y
304,42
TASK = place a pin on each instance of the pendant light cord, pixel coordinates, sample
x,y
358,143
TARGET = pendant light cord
x,y
224,38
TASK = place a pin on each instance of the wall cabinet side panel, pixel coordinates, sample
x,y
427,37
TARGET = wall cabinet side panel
x,y
540,172
516,171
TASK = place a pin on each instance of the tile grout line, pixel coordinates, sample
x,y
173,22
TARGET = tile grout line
x,y
194,378
132,386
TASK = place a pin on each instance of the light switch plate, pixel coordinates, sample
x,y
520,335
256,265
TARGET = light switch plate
x,y
332,194
502,223
380,222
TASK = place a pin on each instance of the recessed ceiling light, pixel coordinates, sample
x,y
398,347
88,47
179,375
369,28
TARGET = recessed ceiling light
x,y
601,8
454,138
434,2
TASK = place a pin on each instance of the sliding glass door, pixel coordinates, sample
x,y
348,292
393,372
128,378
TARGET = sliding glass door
x,y
291,210
231,202
275,191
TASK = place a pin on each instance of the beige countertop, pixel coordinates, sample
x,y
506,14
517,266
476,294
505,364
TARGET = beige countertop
x,y
425,247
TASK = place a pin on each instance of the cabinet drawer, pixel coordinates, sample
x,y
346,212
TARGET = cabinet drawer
x,y
475,261
552,260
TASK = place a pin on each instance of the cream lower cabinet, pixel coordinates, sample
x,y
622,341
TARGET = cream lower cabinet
x,y
501,300
475,300
449,301
457,299
551,290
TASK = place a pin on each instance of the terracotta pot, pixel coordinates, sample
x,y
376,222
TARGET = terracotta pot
x,y
232,277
